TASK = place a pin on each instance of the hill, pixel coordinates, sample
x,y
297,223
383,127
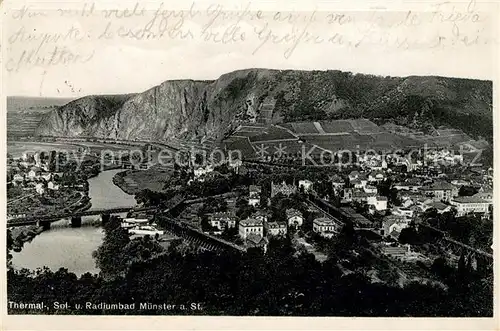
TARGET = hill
x,y
24,114
200,110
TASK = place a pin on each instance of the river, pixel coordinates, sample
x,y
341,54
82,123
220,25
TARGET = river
x,y
72,248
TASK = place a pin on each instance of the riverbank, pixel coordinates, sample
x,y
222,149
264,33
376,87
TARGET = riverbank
x,y
22,234
134,181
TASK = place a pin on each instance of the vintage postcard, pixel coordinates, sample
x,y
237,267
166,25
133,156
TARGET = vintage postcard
x,y
219,161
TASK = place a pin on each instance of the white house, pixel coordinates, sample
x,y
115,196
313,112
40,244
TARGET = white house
x,y
393,225
34,172
370,189
39,188
18,178
376,176
200,171
254,195
261,215
235,164
305,184
337,181
465,205
46,176
250,226
380,203
404,212
52,186
275,229
325,227
354,175
294,217
222,220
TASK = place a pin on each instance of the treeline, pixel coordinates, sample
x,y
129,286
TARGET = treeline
x,y
279,283
416,101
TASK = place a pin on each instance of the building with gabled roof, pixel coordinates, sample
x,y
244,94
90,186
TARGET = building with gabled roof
x,y
249,226
294,217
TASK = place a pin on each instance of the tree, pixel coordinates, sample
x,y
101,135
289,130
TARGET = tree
x,y
408,236
467,191
109,256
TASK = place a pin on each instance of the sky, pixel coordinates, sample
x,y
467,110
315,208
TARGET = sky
x,y
73,61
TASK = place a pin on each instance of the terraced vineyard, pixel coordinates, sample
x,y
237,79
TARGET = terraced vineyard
x,y
355,134
25,113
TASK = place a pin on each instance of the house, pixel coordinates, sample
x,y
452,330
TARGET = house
x,y
222,220
379,202
403,212
254,195
370,189
361,196
34,172
470,204
347,197
39,188
275,229
282,188
393,225
357,184
441,191
398,251
235,164
412,184
261,215
406,203
256,240
46,175
294,217
486,196
363,179
354,175
215,222
325,227
337,181
250,226
52,186
200,171
305,184
376,176
18,178
460,182
439,206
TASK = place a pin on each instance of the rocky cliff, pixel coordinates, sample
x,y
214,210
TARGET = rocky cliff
x,y
186,109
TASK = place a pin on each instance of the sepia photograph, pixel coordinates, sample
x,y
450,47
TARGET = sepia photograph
x,y
236,160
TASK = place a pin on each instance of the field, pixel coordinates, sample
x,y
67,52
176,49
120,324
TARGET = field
x,y
304,128
333,136
273,133
337,126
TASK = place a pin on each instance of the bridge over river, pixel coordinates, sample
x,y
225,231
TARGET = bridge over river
x,y
76,217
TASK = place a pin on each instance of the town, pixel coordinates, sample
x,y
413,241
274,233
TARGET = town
x,y
403,214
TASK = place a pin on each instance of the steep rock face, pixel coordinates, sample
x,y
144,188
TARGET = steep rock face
x,y
87,116
187,109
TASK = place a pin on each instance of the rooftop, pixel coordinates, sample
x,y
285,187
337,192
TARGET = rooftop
x,y
469,199
250,222
276,225
293,212
439,186
254,188
438,205
323,221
